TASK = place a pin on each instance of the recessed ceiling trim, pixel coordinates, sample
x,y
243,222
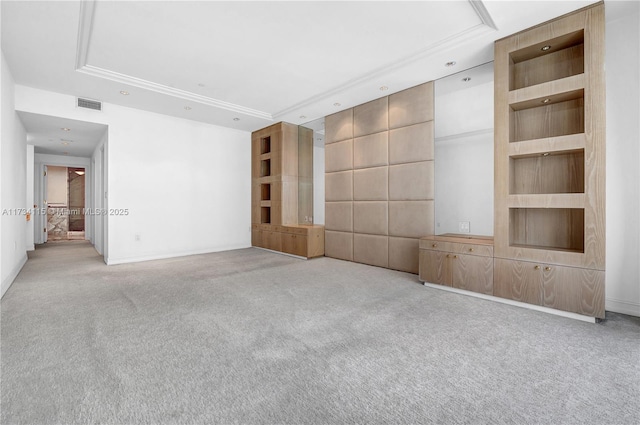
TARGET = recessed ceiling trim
x,y
87,11
483,13
444,45
87,8
170,91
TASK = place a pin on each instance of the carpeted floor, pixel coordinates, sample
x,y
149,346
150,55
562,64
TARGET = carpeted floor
x,y
253,337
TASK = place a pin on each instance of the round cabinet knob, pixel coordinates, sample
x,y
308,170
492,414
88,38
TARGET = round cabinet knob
x,y
434,245
470,249
455,256
547,268
536,268
448,256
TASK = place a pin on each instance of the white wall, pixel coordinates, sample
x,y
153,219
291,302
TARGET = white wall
x,y
464,152
623,157
30,188
464,183
175,187
14,184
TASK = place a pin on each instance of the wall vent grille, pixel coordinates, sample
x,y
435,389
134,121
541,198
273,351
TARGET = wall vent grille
x,y
89,104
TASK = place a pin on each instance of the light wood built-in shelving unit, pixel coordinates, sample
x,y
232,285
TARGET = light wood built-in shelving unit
x,y
274,192
550,164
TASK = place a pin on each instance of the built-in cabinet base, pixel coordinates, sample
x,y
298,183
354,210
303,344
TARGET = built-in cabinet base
x,y
300,240
467,263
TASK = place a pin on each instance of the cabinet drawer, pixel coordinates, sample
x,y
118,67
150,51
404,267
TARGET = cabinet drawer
x,y
294,230
458,248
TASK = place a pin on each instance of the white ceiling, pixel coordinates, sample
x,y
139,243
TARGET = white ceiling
x,y
55,135
261,62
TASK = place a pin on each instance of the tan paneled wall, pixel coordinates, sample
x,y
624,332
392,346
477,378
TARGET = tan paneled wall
x,y
379,179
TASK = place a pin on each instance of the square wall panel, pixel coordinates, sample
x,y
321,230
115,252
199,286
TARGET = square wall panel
x,y
411,144
371,184
371,117
371,218
338,216
371,249
411,106
338,156
338,245
403,254
338,126
411,219
412,181
338,186
371,150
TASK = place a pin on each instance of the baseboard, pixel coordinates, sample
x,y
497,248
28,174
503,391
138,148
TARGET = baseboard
x,y
280,252
8,281
125,260
514,303
623,307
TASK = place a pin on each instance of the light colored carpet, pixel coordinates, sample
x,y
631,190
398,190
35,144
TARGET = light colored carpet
x,y
253,337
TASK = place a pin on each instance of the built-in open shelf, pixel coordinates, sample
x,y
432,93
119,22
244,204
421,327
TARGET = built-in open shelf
x,y
547,61
547,172
265,145
265,168
547,228
265,192
553,116
265,215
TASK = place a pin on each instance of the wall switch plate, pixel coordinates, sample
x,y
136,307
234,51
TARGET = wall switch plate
x,y
463,226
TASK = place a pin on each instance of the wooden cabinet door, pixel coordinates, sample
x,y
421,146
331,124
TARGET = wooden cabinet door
x,y
256,238
518,280
272,240
574,289
472,273
435,267
294,244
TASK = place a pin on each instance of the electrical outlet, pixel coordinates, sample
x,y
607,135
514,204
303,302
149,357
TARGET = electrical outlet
x,y
463,226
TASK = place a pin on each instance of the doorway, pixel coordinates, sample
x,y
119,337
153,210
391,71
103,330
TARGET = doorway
x,y
65,194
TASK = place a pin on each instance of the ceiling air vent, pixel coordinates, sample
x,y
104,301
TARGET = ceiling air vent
x,y
89,104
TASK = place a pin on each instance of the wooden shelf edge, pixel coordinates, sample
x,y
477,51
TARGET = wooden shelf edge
x,y
556,90
550,144
555,200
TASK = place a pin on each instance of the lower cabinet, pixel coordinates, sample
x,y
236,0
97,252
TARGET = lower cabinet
x,y
564,288
463,265
303,241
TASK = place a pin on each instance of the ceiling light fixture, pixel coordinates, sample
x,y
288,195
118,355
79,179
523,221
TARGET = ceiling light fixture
x,y
466,79
302,117
124,92
65,129
384,88
451,63
337,104
545,48
188,108
79,172
236,119
65,143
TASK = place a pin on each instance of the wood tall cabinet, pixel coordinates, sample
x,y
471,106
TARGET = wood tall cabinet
x,y
550,164
274,192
